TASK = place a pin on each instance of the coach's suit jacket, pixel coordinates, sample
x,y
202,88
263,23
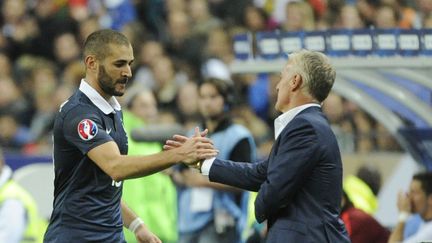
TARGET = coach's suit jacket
x,y
300,184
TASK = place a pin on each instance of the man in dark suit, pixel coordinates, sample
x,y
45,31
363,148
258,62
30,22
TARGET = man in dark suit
x,y
300,184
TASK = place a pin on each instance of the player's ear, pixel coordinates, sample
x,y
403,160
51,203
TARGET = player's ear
x,y
91,62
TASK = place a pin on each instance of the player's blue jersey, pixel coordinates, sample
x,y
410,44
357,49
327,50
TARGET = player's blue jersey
x,y
86,200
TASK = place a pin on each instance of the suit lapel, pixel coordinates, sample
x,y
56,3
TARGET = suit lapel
x,y
275,147
276,144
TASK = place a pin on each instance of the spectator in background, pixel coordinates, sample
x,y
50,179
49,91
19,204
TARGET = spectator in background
x,y
167,81
258,94
359,202
19,27
349,18
43,84
50,23
181,45
341,124
152,15
19,219
412,225
368,11
386,17
417,200
12,100
136,33
118,13
256,19
187,105
6,65
363,127
175,5
361,226
13,136
362,189
218,54
274,8
230,12
86,27
423,11
243,115
299,16
149,52
211,212
79,10
427,21
201,19
66,49
385,141
407,15
153,198
71,74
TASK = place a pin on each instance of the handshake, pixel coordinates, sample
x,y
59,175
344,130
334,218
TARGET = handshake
x,y
192,150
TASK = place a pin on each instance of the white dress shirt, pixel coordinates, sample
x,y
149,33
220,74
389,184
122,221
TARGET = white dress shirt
x,y
282,121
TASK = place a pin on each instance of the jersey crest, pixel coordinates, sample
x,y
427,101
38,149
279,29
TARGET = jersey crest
x,y
87,129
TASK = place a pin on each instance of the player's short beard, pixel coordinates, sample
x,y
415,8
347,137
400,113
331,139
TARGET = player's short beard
x,y
107,84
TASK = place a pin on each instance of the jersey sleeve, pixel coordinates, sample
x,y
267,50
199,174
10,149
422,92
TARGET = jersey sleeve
x,y
85,129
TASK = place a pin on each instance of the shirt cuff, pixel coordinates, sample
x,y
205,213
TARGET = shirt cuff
x,y
205,168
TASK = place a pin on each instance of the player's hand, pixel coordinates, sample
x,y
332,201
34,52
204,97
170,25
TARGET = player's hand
x,y
143,235
178,140
193,149
175,142
197,148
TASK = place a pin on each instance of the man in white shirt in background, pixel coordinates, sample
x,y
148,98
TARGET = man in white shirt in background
x,y
417,200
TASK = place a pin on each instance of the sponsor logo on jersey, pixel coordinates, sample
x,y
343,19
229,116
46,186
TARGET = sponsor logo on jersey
x,y
87,129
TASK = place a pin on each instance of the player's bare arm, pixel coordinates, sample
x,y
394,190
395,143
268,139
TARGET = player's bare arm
x,y
119,167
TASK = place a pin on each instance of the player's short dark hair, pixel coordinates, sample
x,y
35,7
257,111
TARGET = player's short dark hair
x,y
425,179
97,42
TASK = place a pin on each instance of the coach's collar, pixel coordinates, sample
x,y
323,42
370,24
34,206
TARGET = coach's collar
x,y
282,121
105,106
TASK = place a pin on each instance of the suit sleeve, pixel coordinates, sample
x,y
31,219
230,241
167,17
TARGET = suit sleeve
x,y
247,176
292,162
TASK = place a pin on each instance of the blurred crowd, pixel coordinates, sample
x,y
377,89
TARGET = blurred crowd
x,y
177,44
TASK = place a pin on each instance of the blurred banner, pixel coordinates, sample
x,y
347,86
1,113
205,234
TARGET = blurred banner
x,y
335,43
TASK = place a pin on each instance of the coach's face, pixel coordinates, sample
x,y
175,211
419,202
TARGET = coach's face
x,y
284,87
115,70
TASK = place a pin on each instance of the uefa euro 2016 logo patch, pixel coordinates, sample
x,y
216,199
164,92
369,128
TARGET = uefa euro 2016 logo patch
x,y
87,129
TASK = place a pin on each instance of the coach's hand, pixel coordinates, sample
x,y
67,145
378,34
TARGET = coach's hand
x,y
143,235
